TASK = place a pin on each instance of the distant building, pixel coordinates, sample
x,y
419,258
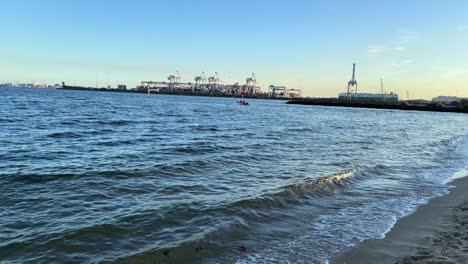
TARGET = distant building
x,y
121,87
448,99
368,97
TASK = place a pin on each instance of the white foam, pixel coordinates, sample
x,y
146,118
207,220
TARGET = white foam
x,y
330,233
459,174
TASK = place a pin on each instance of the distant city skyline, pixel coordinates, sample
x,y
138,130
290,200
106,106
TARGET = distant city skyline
x,y
417,47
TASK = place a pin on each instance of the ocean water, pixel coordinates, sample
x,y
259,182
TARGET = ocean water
x,y
92,177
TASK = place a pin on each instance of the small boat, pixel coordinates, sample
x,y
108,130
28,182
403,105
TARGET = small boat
x,y
242,102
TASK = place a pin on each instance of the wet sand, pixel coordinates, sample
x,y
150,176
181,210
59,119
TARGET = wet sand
x,y
436,232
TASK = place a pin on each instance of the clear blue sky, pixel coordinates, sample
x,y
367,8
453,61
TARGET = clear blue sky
x,y
419,46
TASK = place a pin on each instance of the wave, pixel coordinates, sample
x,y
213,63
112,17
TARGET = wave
x,y
64,135
355,229
115,143
213,223
226,229
296,193
158,171
9,120
116,122
203,128
347,227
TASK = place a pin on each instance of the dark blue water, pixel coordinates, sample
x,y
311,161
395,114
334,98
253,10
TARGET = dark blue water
x,y
91,177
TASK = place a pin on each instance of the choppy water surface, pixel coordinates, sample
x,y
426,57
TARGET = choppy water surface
x,y
90,177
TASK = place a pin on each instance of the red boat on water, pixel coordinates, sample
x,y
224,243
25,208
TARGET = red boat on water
x,y
242,102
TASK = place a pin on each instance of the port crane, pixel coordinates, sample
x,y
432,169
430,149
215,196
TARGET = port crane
x,y
197,81
203,78
174,78
171,78
381,86
216,78
251,83
213,82
177,77
352,85
383,93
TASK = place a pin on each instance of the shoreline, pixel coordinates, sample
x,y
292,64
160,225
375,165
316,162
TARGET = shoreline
x,y
378,105
132,91
136,91
333,102
436,232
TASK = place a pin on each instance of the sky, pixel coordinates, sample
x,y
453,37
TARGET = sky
x,y
419,48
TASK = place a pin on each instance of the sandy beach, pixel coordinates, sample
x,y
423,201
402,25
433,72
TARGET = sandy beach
x,y
437,232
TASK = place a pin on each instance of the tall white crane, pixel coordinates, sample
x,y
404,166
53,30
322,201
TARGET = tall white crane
x,y
381,86
352,85
211,80
171,78
177,77
251,83
254,82
197,80
216,78
203,79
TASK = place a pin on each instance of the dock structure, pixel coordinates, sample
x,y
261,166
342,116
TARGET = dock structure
x,y
212,85
294,93
283,92
203,86
370,97
154,86
277,91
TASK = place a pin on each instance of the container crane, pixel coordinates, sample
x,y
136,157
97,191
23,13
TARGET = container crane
x,y
251,83
171,78
352,85
197,82
177,77
216,78
203,78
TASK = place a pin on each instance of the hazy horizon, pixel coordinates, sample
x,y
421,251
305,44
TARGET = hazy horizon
x,y
416,46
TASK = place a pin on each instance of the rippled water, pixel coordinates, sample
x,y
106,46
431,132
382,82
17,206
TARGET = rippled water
x,y
90,177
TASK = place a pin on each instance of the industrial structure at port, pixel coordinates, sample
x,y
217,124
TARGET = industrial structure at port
x,y
203,85
353,95
212,86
